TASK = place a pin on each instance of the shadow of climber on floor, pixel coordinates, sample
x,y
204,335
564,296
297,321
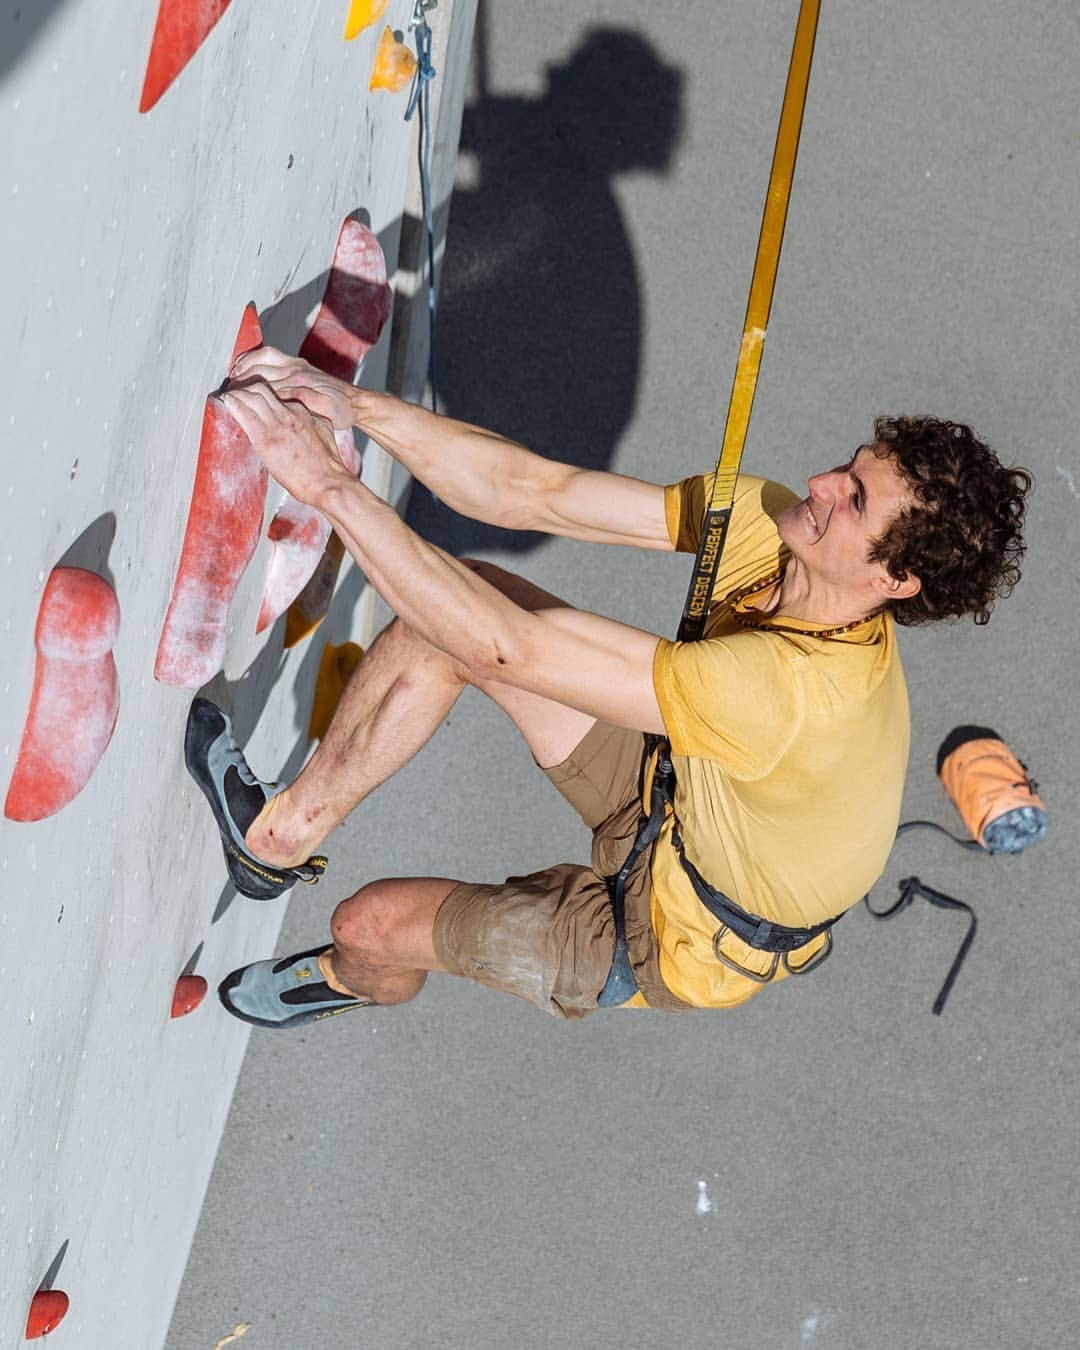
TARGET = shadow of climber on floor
x,y
539,321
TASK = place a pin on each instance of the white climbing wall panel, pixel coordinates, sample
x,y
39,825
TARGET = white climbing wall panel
x,y
134,242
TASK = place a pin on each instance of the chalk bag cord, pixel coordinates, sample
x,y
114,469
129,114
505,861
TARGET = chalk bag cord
x,y
911,888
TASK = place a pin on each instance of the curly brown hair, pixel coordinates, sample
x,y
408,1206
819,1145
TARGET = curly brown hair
x,y
962,538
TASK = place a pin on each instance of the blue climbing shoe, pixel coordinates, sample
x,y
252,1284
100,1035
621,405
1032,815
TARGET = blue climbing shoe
x,y
285,993
236,797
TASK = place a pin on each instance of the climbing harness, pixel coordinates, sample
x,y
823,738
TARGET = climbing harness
x,y
420,99
998,801
621,985
758,933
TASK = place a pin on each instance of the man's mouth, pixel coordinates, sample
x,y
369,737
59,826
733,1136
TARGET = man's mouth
x,y
811,518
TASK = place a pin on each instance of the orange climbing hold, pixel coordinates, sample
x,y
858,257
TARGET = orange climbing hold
x,y
335,670
181,28
362,14
221,535
394,65
74,701
48,1308
189,993
355,305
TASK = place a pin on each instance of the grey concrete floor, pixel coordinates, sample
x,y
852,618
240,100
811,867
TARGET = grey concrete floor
x,y
831,1165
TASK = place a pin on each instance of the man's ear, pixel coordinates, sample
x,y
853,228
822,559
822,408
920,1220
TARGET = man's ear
x,y
892,588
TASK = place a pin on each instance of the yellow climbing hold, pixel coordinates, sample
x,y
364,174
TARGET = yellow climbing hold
x,y
394,65
362,14
335,670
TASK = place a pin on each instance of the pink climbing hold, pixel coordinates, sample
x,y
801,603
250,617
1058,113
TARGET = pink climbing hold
x,y
355,305
74,702
221,535
299,534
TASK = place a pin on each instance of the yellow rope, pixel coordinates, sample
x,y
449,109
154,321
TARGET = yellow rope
x,y
762,284
768,257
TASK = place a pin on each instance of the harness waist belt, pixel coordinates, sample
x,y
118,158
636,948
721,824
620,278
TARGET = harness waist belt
x,y
761,934
758,933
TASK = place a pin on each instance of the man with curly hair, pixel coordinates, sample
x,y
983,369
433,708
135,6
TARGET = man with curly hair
x,y
745,787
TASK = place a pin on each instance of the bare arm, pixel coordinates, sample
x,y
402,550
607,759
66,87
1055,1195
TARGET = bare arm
x,y
593,664
476,472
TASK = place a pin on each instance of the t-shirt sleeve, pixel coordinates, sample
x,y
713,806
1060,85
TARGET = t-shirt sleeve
x,y
733,700
684,506
758,502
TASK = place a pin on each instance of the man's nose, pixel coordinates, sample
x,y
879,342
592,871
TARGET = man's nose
x,y
822,485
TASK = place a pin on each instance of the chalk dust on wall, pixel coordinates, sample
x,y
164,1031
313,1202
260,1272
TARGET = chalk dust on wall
x,y
138,238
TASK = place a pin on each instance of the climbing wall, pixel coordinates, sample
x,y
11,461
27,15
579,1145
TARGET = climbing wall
x,y
180,182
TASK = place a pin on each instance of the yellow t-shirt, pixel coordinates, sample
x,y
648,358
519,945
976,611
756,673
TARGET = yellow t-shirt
x,y
790,753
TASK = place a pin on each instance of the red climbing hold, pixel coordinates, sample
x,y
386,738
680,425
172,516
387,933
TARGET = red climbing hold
x,y
74,702
250,335
355,305
189,993
181,28
222,532
48,1309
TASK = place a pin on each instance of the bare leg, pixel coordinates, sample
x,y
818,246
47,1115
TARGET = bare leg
x,y
398,695
382,939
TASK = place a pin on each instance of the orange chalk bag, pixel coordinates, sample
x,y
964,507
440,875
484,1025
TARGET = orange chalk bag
x,y
999,803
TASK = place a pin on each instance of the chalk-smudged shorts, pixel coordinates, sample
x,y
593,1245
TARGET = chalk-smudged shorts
x,y
549,937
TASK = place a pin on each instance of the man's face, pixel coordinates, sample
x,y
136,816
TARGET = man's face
x,y
831,531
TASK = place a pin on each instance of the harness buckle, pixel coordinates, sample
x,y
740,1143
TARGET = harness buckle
x,y
742,970
814,961
804,969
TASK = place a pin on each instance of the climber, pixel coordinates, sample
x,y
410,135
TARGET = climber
x,y
786,727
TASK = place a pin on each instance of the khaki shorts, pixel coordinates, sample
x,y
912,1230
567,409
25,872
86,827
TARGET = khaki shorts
x,y
549,937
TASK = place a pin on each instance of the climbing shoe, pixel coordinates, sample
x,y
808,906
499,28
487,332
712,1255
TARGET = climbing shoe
x,y
285,993
236,797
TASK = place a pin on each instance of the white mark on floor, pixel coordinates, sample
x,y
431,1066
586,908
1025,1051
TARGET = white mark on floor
x,y
808,1330
705,1203
1070,481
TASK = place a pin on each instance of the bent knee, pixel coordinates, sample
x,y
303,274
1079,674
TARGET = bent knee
x,y
368,921
389,922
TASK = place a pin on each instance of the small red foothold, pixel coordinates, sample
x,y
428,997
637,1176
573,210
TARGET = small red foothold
x,y
189,993
47,1310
